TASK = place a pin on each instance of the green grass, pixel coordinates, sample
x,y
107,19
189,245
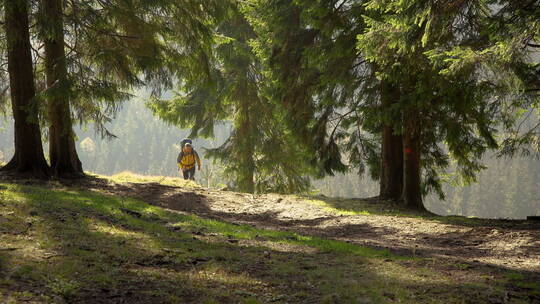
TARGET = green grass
x,y
519,280
130,177
83,247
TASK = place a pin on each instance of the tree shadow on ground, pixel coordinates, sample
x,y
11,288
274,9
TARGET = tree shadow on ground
x,y
467,245
182,264
378,207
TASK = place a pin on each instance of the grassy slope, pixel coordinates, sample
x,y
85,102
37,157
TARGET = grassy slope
x,y
76,246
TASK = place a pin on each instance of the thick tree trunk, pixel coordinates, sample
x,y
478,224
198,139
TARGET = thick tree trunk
x,y
62,151
28,159
391,180
412,143
245,179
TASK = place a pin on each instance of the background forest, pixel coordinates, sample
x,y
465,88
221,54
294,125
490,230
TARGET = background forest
x,y
408,101
353,151
508,188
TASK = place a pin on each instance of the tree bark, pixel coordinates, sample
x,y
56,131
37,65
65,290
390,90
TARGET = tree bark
x,y
391,180
245,176
62,150
28,158
412,144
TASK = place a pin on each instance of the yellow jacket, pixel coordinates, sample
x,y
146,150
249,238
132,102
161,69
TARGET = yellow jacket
x,y
187,161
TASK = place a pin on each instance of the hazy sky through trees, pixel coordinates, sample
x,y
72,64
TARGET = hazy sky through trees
x,y
146,145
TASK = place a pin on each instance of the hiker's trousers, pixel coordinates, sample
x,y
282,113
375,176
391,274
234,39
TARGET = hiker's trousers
x,y
189,174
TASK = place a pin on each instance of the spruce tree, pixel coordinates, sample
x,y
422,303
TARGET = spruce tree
x,y
63,157
506,52
112,48
316,75
28,158
337,106
435,105
260,154
400,89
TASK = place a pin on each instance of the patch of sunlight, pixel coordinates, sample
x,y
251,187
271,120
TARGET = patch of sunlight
x,y
12,195
190,222
130,177
151,210
116,231
280,246
209,275
147,209
217,274
34,194
410,276
328,207
275,245
246,232
23,249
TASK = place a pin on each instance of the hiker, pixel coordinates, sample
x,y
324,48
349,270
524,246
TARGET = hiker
x,y
186,161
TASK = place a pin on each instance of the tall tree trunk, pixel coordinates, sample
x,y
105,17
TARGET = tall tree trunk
x,y
62,151
28,158
246,174
246,181
412,144
391,181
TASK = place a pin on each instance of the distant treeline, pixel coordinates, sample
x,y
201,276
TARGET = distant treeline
x,y
146,145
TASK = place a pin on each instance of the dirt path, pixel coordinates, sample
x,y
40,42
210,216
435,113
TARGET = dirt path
x,y
499,243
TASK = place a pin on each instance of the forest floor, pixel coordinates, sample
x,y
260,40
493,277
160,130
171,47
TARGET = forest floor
x,y
135,239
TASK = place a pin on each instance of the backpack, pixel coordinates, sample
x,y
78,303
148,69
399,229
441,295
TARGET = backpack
x,y
183,144
185,141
